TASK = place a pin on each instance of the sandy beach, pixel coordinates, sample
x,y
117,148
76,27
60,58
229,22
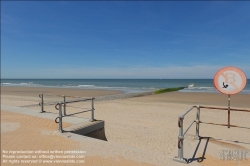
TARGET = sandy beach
x,y
147,126
35,91
198,98
149,83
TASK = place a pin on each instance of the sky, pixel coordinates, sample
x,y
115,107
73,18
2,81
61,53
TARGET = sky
x,y
123,39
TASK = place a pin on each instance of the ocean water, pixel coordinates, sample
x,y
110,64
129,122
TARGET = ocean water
x,y
126,85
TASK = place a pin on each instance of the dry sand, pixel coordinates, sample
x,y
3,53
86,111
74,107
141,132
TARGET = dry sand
x,y
149,123
194,98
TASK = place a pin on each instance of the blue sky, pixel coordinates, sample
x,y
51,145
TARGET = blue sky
x,y
123,39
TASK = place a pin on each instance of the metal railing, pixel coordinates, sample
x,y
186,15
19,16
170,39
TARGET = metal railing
x,y
59,106
64,103
180,157
42,104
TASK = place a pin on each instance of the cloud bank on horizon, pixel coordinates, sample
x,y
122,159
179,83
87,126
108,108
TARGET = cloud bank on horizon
x,y
141,39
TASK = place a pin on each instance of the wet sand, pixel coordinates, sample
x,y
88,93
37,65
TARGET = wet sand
x,y
35,91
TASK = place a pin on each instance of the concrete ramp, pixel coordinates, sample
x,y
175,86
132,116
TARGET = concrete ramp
x,y
81,126
93,129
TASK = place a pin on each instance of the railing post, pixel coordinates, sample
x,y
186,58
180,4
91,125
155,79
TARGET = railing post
x,y
64,105
93,109
42,108
197,122
180,141
228,112
60,117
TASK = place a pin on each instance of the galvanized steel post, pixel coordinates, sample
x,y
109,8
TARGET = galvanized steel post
x,y
93,109
197,122
42,108
64,105
181,138
180,141
228,125
60,117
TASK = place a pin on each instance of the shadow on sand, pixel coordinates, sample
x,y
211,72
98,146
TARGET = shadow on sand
x,y
199,159
214,141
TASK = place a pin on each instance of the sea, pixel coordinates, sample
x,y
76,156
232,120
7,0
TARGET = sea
x,y
125,85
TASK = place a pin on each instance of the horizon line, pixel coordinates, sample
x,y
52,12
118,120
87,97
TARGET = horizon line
x,y
111,78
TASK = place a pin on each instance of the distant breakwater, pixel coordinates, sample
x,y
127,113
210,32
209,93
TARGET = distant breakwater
x,y
122,96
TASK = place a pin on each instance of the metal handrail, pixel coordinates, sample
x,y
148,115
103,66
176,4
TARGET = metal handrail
x,y
188,128
181,137
74,101
63,104
47,104
225,125
42,104
219,108
188,111
59,105
51,95
181,134
79,112
63,95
